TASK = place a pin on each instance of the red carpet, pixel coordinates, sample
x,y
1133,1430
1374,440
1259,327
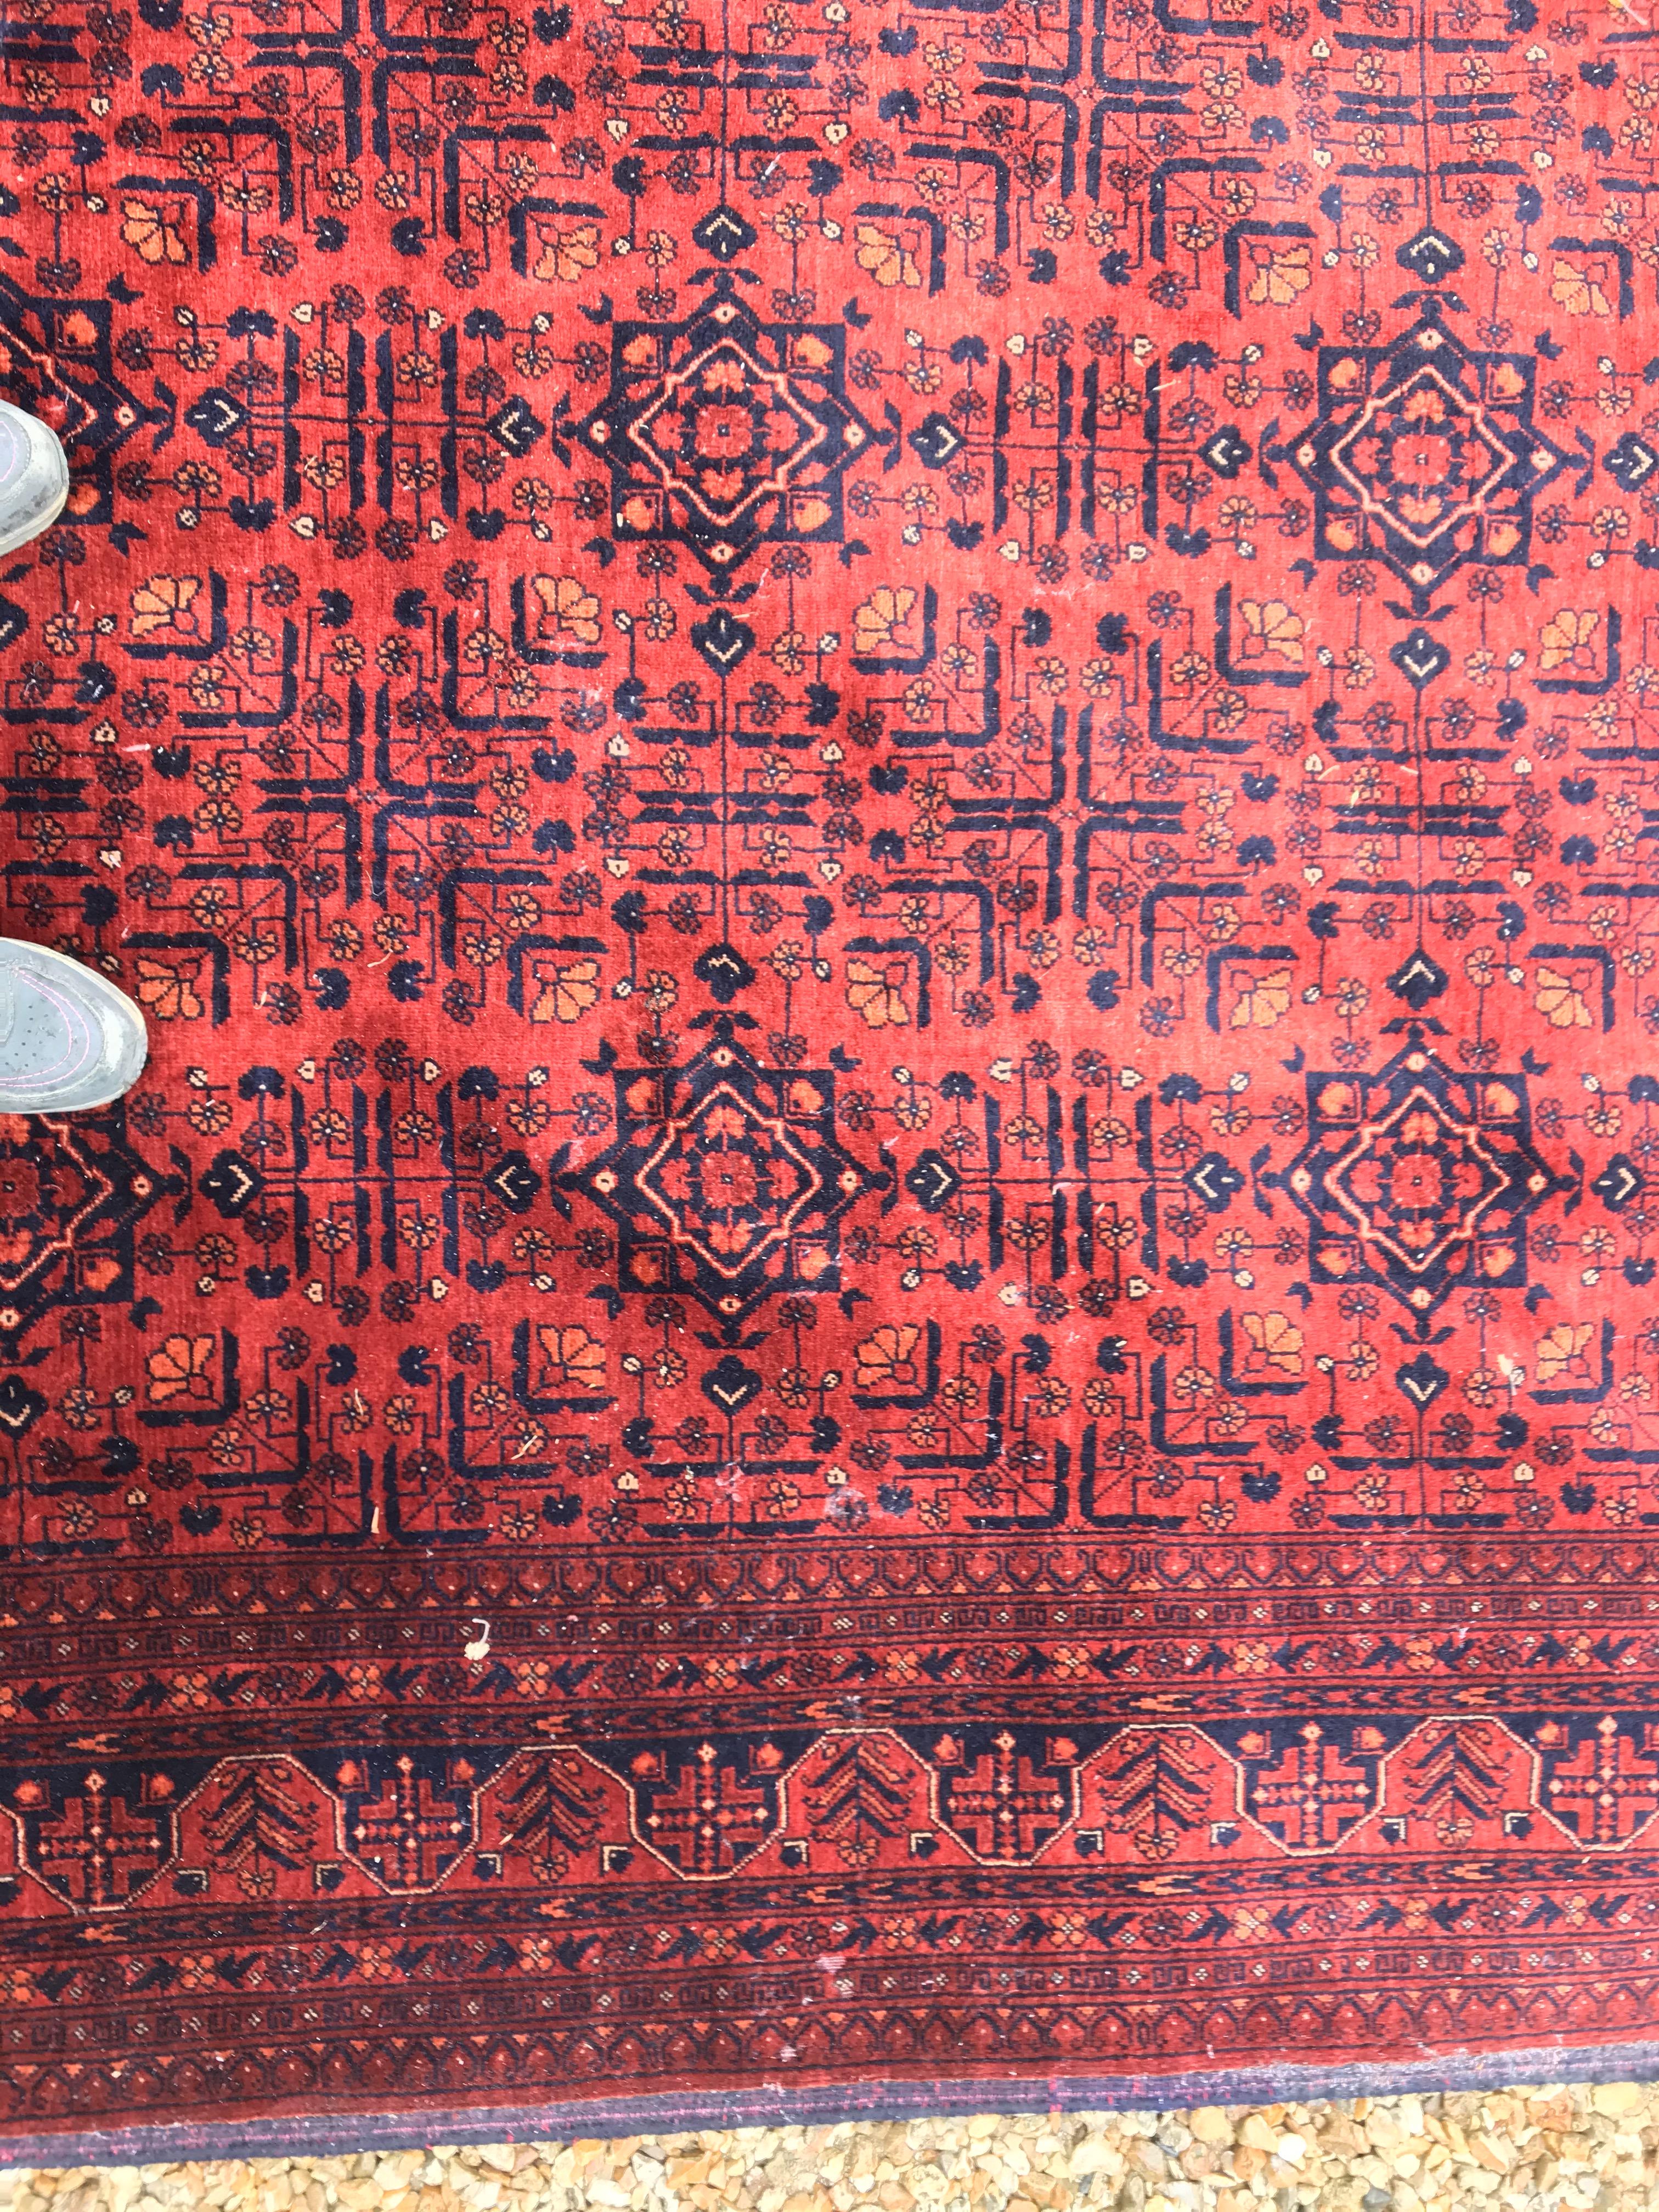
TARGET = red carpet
x,y
880,1325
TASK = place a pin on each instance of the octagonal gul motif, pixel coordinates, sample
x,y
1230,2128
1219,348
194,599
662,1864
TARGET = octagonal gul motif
x,y
71,1192
720,431
726,1179
1425,455
1419,1178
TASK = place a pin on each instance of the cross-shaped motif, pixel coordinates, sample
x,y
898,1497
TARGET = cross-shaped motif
x,y
97,1854
712,1818
1314,1795
1004,1807
409,1838
1608,1790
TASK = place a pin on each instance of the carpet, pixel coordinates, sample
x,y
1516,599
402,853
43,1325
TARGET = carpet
x,y
879,1327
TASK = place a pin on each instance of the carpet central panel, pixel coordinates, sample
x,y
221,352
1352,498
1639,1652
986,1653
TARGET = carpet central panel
x,y
882,1313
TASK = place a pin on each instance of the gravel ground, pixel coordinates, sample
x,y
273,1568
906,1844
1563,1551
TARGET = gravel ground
x,y
1520,2150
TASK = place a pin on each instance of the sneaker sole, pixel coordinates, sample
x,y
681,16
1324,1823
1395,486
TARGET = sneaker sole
x,y
89,1080
48,502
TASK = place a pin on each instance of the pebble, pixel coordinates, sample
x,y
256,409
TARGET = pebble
x,y
1548,2150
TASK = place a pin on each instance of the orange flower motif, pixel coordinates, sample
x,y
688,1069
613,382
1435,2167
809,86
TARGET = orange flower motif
x,y
574,1358
1283,274
1275,1341
1567,639
886,258
884,619
877,995
1579,291
568,991
1560,1001
164,603
1563,1352
1262,1000
1272,627
147,230
884,1357
168,988
569,609
568,251
179,1368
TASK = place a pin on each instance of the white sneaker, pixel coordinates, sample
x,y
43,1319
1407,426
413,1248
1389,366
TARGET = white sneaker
x,y
67,1038
35,478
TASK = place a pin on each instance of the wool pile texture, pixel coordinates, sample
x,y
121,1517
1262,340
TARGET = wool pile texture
x,y
881,1313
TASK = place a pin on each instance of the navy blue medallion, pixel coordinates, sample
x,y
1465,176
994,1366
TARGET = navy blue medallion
x,y
1423,456
70,1191
1418,1179
725,1180
722,432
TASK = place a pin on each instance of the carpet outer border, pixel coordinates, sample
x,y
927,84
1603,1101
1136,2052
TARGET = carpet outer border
x,y
779,2103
